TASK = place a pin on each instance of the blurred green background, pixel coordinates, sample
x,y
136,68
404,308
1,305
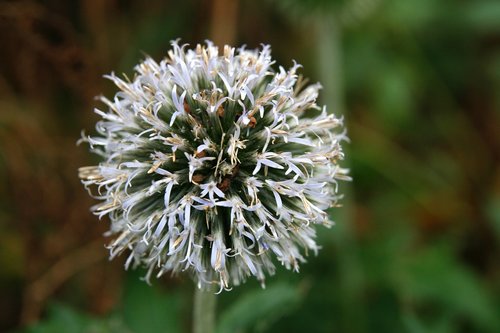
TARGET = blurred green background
x,y
416,245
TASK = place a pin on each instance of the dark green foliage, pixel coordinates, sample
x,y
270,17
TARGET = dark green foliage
x,y
144,309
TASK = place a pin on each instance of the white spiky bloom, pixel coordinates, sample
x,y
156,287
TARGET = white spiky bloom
x,y
214,164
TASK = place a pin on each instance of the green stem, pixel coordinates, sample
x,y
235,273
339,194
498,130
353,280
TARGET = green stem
x,y
329,42
330,61
204,311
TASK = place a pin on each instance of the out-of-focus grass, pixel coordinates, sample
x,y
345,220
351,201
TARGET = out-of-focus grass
x,y
416,248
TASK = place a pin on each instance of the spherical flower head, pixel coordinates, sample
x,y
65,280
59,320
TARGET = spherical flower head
x,y
215,164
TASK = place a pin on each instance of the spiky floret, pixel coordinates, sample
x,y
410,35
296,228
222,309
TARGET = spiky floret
x,y
214,164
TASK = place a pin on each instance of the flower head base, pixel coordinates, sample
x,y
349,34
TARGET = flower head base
x,y
214,164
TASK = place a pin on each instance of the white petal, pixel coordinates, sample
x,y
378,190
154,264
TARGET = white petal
x,y
168,189
257,167
271,164
160,226
277,197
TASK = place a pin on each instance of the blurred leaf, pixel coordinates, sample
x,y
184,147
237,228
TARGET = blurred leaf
x,y
412,14
147,309
415,325
483,15
257,307
434,278
306,6
61,318
393,95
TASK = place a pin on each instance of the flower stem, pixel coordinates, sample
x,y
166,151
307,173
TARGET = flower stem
x,y
204,311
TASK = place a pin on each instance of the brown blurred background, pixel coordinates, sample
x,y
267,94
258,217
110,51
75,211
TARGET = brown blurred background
x,y
416,247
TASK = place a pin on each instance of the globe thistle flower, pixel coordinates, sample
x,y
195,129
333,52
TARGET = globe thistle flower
x,y
215,164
